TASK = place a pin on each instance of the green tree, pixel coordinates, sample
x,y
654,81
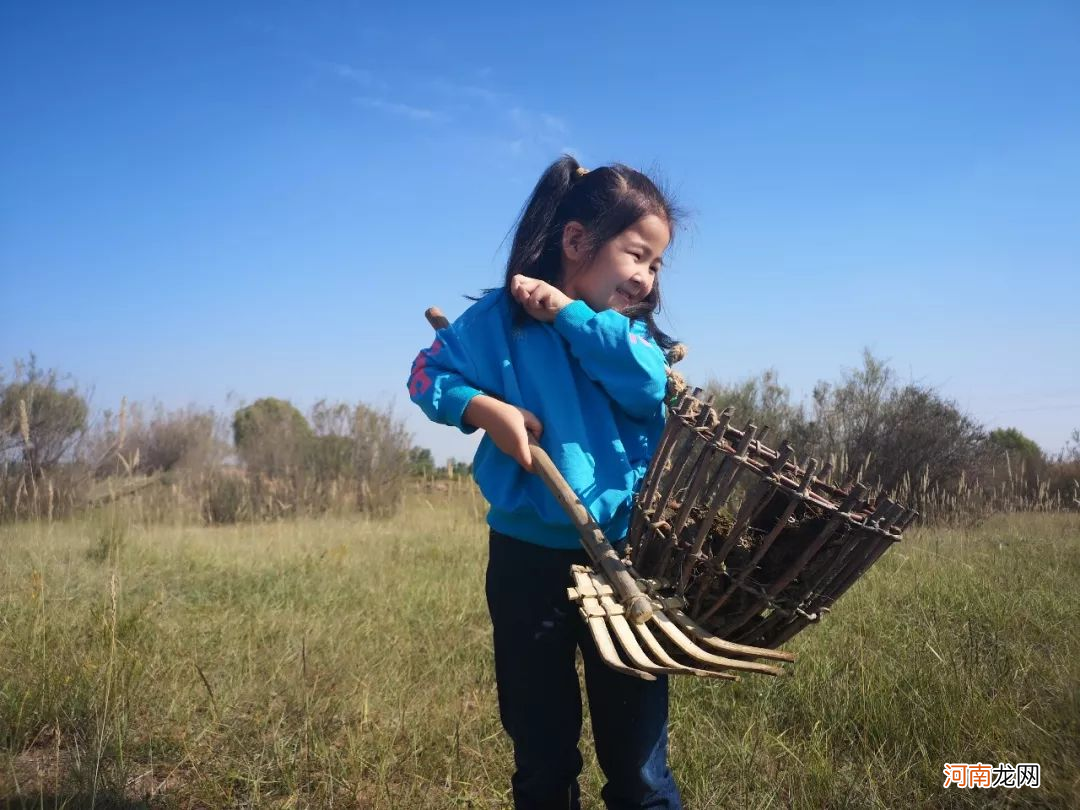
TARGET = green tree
x,y
1016,444
1016,456
271,436
42,416
763,401
421,462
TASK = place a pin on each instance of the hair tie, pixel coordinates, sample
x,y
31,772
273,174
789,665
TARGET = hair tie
x,y
580,172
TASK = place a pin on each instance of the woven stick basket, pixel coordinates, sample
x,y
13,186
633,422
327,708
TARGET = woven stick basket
x,y
751,545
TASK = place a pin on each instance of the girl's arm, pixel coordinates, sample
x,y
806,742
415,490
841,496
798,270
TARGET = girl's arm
x,y
437,382
508,426
618,354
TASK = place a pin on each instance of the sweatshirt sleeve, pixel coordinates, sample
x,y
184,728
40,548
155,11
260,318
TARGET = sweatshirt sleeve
x,y
438,382
618,354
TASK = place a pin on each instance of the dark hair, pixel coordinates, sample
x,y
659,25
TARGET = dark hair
x,y
606,201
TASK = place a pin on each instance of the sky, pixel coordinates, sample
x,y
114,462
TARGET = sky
x,y
207,203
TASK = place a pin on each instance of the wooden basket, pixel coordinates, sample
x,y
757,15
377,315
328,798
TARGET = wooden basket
x,y
751,545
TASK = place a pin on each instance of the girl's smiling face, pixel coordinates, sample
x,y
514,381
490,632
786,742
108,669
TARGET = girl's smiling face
x,y
622,272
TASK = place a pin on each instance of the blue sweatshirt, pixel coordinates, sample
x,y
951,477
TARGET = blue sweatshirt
x,y
595,380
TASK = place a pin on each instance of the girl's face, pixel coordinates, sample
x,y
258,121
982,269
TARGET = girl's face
x,y
623,271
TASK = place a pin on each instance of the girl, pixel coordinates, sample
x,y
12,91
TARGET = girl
x,y
568,351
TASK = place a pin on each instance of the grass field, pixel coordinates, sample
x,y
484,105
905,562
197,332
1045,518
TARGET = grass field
x,y
346,663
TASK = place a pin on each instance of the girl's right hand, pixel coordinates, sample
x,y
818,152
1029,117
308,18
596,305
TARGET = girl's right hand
x,y
508,426
541,300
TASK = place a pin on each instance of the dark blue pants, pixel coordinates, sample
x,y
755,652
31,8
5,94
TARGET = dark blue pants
x,y
537,631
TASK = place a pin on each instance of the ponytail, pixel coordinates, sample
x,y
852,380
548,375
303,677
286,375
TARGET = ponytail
x,y
607,201
537,246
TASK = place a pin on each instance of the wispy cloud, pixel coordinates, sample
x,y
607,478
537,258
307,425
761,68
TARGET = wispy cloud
x,y
397,108
353,75
466,92
538,124
525,131
473,103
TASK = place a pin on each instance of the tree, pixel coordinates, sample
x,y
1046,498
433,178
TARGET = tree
x,y
1071,452
169,440
381,445
42,416
271,436
920,433
1021,457
1016,444
763,401
421,462
847,417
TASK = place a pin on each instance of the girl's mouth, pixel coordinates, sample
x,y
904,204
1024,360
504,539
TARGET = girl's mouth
x,y
626,296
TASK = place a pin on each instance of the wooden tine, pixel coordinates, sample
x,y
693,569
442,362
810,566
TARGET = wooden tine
x,y
657,651
723,645
624,634
686,646
595,618
614,615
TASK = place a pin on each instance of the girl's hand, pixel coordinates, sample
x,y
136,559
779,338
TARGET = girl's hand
x,y
540,299
508,426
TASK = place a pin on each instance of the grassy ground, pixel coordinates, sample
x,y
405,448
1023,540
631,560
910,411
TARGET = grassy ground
x,y
346,663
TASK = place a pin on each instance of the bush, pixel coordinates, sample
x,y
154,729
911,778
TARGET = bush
x,y
271,437
870,427
174,440
43,419
40,420
226,498
765,402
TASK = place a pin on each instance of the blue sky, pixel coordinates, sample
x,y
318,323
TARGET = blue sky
x,y
209,203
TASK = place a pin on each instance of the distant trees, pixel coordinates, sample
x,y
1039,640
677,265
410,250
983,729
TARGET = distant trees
x,y
1017,456
1070,454
172,440
896,437
1015,443
340,457
421,462
42,416
271,436
904,438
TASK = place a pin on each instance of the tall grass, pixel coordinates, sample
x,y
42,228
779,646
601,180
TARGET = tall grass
x,y
345,662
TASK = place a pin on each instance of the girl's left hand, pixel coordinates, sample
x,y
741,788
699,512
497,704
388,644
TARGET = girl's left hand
x,y
541,300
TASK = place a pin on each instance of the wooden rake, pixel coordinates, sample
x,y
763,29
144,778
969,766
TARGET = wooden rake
x,y
635,632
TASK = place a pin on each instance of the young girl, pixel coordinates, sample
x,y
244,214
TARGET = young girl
x,y
568,351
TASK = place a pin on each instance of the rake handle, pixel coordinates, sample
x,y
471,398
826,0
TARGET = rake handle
x,y
637,605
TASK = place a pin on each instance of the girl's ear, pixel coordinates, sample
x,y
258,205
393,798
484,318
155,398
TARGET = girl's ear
x,y
573,241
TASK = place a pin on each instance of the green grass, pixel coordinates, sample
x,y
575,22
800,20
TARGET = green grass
x,y
347,663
